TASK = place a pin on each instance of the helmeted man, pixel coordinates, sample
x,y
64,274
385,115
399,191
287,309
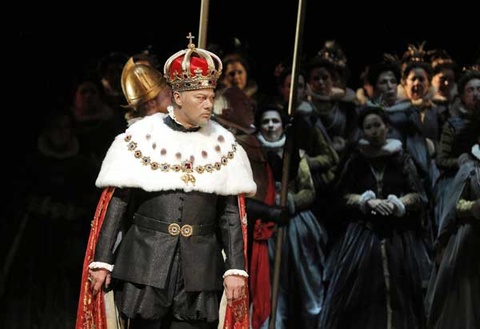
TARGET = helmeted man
x,y
145,89
179,179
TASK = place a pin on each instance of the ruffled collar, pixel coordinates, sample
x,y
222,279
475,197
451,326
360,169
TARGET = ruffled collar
x,y
274,145
391,146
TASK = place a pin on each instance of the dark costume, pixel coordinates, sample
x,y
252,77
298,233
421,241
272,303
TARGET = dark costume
x,y
301,289
458,136
376,279
169,259
454,297
41,285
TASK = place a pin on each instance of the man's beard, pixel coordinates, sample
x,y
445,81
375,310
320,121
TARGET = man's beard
x,y
203,122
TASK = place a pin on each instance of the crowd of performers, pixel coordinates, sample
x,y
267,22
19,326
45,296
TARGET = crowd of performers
x,y
382,223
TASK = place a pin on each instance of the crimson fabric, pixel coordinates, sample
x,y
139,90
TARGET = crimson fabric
x,y
260,272
91,309
236,316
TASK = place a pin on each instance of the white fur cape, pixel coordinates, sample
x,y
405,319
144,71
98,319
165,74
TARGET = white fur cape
x,y
153,137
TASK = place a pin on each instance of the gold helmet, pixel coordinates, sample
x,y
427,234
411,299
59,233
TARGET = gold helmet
x,y
141,83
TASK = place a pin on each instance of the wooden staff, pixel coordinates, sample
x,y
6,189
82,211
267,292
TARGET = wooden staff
x,y
287,153
203,26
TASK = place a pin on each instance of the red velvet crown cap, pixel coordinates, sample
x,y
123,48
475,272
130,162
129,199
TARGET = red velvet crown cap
x,y
192,69
195,64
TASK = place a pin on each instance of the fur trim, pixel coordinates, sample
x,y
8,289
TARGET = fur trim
x,y
476,151
399,206
392,146
121,168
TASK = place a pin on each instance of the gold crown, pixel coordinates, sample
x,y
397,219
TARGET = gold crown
x,y
192,69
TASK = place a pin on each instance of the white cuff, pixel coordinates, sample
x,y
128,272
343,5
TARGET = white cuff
x,y
97,265
399,206
235,272
366,196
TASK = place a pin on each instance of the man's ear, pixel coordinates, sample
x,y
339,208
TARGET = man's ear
x,y
178,98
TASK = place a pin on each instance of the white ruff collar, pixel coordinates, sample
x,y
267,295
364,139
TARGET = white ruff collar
x,y
392,146
476,151
277,144
152,156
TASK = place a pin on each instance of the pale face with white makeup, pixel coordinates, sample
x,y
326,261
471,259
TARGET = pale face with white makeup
x,y
271,126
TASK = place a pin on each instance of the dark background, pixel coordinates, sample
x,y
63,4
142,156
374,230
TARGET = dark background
x,y
58,49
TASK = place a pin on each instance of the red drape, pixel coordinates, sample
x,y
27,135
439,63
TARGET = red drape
x,y
260,271
91,310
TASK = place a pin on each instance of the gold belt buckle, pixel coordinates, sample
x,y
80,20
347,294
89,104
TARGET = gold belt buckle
x,y
174,229
187,230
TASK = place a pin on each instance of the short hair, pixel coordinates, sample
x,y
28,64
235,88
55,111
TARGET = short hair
x,y
377,110
261,110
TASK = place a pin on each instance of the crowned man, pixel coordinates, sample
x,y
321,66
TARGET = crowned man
x,y
174,186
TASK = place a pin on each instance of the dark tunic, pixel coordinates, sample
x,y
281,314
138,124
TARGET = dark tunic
x,y
157,272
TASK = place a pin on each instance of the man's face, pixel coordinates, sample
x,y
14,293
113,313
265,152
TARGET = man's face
x,y
471,96
196,106
417,83
386,87
271,126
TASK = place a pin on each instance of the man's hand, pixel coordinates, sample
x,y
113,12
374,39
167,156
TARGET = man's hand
x,y
234,287
382,207
97,277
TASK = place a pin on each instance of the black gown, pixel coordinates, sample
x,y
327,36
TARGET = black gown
x,y
454,297
376,272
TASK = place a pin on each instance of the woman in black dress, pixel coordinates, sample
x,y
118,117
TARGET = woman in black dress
x,y
376,280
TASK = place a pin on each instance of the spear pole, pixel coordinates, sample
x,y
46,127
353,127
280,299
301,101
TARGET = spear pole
x,y
203,26
287,153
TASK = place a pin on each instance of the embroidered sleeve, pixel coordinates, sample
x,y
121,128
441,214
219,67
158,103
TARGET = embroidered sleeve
x,y
444,159
414,197
304,194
